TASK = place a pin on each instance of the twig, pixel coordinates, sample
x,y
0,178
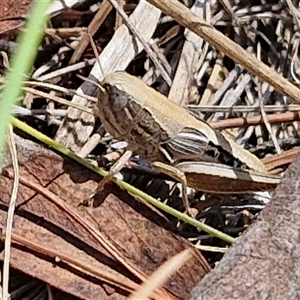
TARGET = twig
x,y
163,68
263,113
243,108
177,214
256,120
102,13
10,213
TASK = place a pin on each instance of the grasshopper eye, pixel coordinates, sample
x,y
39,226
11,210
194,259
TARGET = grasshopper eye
x,y
117,98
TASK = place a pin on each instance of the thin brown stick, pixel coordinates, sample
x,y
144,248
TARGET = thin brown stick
x,y
103,11
256,120
278,160
154,55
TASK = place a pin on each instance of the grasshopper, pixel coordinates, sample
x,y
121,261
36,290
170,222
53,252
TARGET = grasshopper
x,y
174,141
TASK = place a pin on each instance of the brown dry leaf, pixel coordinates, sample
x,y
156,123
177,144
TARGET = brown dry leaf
x,y
12,14
52,240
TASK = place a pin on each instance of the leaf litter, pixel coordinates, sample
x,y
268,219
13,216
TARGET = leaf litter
x,y
204,79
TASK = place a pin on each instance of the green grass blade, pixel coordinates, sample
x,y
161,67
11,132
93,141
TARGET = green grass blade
x,y
21,63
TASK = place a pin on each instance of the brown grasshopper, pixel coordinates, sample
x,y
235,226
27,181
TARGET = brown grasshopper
x,y
176,142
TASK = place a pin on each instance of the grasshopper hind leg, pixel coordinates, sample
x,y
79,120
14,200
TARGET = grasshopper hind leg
x,y
178,175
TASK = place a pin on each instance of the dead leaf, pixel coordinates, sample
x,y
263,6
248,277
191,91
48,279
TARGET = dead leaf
x,y
54,236
12,14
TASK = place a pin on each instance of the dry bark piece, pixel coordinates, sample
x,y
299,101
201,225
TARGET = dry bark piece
x,y
263,263
141,237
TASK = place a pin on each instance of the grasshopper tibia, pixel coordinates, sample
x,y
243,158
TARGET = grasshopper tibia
x,y
178,175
